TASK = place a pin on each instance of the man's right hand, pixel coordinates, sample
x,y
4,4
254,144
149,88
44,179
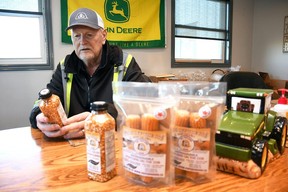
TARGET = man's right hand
x,y
50,130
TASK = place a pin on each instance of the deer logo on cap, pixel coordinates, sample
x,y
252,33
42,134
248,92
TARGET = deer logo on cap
x,y
81,15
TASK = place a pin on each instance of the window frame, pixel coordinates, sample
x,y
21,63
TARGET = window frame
x,y
47,24
202,63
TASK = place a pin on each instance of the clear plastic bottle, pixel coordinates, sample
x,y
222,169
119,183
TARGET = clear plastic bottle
x,y
51,106
282,106
100,143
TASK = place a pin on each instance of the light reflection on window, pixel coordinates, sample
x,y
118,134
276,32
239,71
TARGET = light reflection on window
x,y
20,37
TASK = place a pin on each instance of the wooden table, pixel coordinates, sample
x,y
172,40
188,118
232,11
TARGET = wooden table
x,y
29,162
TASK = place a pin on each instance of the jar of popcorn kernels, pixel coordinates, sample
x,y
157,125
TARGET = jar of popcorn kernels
x,y
51,106
100,143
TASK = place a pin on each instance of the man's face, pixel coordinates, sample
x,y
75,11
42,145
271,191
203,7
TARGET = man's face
x,y
88,42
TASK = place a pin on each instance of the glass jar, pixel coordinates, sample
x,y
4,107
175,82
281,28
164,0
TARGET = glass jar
x,y
100,143
51,106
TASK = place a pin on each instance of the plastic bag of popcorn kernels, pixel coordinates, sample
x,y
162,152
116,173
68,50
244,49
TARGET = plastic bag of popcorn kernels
x,y
196,118
144,120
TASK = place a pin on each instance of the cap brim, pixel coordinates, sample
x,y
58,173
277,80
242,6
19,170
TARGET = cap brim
x,y
82,24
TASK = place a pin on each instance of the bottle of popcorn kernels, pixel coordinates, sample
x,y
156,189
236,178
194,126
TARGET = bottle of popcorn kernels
x,y
100,143
51,106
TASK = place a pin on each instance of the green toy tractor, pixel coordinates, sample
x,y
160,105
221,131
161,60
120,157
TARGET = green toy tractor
x,y
249,130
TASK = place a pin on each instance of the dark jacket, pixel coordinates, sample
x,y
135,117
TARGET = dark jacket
x,y
86,89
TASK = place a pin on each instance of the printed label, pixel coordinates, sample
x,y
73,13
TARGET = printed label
x,y
93,153
110,150
205,112
144,152
192,149
160,114
61,112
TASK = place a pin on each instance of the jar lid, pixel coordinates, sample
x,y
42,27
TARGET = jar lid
x,y
45,93
98,106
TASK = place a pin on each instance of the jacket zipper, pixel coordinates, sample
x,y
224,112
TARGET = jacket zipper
x,y
88,92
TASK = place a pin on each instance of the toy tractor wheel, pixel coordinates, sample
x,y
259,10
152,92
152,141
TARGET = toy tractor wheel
x,y
260,153
279,133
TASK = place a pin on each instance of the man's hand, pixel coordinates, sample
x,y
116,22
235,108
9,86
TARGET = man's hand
x,y
74,126
50,130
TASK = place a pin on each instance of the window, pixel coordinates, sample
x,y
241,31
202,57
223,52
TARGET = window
x,y
26,35
201,33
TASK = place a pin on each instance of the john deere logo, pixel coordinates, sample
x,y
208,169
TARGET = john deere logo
x,y
117,11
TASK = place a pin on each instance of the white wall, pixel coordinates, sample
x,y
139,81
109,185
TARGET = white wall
x,y
242,34
268,38
19,89
18,92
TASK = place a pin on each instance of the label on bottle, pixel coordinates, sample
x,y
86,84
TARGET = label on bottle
x,y
61,112
110,150
281,109
93,153
94,158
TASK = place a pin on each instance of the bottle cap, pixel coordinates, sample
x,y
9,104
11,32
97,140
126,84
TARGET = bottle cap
x,y
98,106
282,99
45,93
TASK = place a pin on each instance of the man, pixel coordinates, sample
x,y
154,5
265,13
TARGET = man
x,y
92,65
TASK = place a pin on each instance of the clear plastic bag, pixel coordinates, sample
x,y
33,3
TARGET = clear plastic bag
x,y
196,118
144,122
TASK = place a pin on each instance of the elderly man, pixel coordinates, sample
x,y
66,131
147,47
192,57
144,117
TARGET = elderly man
x,y
89,70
